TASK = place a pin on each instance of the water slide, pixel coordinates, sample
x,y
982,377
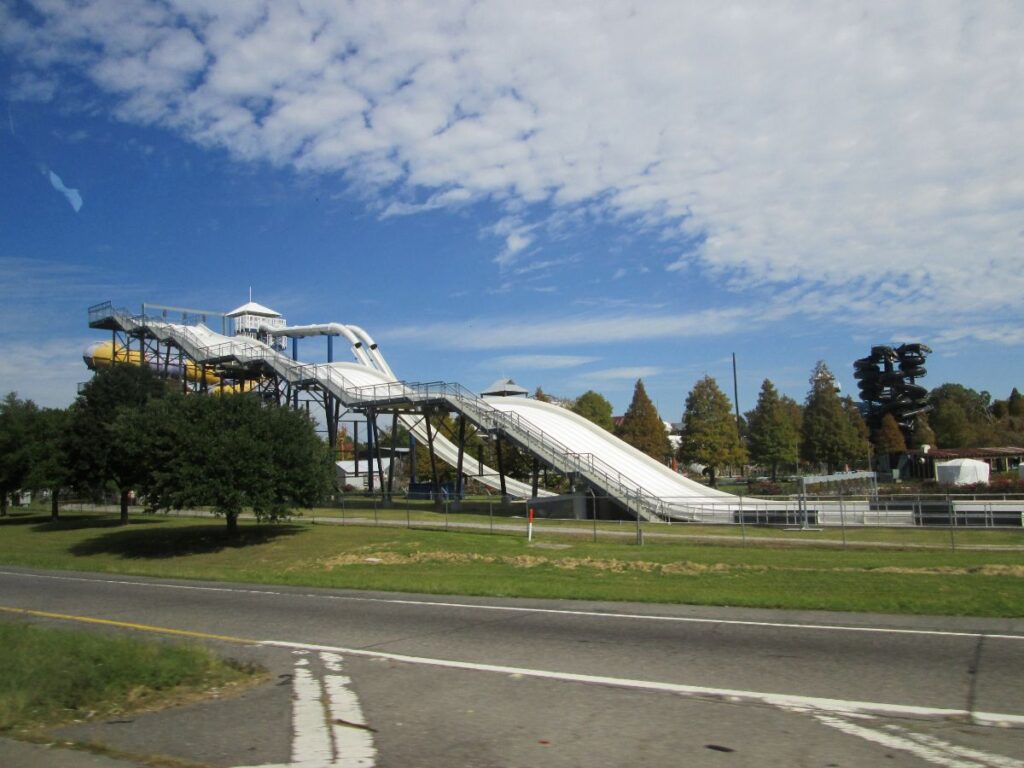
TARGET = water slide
x,y
559,438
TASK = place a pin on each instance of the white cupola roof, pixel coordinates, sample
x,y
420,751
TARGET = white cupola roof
x,y
252,308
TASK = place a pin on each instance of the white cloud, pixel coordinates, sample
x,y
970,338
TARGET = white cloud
x,y
629,373
498,333
838,148
73,196
542,362
46,372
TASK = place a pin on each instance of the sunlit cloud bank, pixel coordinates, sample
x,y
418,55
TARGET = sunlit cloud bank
x,y
837,150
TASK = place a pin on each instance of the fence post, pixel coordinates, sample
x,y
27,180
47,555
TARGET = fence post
x,y
842,518
743,523
952,524
490,512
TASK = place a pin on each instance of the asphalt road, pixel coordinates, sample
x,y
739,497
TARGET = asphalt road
x,y
488,682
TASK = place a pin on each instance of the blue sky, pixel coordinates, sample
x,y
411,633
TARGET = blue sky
x,y
575,195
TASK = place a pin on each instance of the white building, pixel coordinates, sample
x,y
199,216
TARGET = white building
x,y
254,320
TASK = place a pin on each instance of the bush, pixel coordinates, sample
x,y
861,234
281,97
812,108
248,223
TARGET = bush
x,y
765,488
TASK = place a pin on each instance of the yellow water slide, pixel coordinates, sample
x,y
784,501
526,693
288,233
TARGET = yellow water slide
x,y
102,354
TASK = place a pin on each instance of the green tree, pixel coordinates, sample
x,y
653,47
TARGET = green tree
x,y
50,455
231,453
596,408
16,424
773,436
710,433
105,434
643,428
889,438
860,435
922,433
962,416
1015,403
447,426
828,436
952,427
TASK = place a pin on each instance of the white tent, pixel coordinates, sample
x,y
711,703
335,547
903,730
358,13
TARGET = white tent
x,y
962,472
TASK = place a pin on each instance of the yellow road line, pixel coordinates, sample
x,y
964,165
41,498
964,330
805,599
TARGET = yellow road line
x,y
128,625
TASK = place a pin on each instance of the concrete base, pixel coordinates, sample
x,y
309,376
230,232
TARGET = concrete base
x,y
577,506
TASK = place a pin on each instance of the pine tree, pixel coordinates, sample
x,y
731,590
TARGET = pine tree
x,y
889,438
773,435
859,446
643,428
710,434
828,434
544,397
1015,404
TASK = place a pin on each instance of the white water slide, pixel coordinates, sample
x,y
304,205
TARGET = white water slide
x,y
556,436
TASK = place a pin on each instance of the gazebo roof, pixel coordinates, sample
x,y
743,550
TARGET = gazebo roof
x,y
505,388
252,308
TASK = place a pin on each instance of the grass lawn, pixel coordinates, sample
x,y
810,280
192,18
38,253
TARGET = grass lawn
x,y
912,580
49,676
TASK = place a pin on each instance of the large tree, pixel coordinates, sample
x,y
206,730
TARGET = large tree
x,y
595,407
1015,403
774,438
961,417
50,455
860,436
643,428
889,437
232,453
106,431
829,436
710,433
922,433
16,426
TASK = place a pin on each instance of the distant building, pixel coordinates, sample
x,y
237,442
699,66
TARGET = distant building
x,y
254,320
505,388
921,462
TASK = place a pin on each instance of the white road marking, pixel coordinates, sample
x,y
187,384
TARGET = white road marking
x,y
806,703
352,738
529,610
311,739
920,745
327,722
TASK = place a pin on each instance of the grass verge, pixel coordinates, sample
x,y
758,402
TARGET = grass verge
x,y
49,677
892,580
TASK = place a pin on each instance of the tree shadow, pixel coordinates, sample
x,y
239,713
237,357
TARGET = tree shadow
x,y
174,542
23,518
79,521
